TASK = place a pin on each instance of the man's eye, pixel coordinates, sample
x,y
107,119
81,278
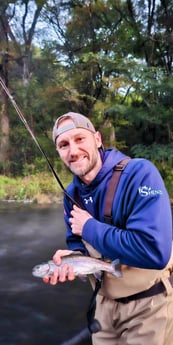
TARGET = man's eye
x,y
80,139
63,145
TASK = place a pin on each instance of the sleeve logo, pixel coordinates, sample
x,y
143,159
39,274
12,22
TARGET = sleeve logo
x,y
145,191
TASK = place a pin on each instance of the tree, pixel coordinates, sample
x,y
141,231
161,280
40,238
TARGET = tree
x,y
4,117
13,53
110,60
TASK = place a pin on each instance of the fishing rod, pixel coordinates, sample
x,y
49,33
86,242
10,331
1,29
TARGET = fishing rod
x,y
84,334
93,324
22,118
79,338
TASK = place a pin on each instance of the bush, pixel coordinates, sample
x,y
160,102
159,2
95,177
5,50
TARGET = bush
x,y
29,187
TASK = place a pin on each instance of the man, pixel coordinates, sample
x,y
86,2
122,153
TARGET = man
x,y
138,308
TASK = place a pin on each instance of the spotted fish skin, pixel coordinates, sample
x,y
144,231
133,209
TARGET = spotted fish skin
x,y
82,265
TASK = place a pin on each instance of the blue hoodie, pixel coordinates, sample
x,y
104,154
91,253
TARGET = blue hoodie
x,y
141,234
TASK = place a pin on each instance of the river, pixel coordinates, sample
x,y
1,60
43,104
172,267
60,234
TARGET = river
x,y
34,313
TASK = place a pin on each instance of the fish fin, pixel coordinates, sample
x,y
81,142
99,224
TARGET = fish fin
x,y
83,277
117,268
98,275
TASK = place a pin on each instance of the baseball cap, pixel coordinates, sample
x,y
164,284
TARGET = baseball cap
x,y
78,121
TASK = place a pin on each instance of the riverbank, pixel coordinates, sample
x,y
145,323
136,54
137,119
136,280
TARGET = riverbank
x,y
40,189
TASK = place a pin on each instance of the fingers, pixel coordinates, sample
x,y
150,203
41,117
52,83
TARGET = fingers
x,y
77,220
59,254
71,275
60,275
46,280
54,278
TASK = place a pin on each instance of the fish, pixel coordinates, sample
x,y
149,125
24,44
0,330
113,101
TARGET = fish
x,y
82,266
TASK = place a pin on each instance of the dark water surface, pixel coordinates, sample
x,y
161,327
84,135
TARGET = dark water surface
x,y
31,312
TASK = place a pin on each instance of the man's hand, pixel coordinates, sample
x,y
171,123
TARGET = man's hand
x,y
65,274
78,219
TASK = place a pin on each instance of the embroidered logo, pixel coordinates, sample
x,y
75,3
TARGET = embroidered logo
x,y
148,191
87,200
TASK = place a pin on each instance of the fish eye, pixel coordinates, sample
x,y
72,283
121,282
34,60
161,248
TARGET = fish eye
x,y
38,267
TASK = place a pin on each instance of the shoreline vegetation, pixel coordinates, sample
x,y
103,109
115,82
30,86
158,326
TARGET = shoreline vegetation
x,y
41,188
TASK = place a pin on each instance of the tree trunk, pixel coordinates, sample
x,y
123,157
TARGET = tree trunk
x,y
4,134
4,116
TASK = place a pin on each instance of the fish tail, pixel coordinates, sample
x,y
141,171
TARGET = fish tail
x,y
116,268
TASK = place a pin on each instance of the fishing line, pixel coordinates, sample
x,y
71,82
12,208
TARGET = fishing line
x,y
22,118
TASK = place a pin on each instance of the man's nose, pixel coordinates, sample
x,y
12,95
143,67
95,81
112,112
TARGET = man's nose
x,y
73,149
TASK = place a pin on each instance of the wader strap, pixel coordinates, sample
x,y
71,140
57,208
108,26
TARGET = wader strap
x,y
111,189
93,324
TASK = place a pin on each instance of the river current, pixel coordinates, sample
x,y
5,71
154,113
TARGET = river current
x,y
31,312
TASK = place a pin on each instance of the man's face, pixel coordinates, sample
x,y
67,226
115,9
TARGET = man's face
x,y
78,149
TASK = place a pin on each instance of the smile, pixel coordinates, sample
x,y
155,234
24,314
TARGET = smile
x,y
78,160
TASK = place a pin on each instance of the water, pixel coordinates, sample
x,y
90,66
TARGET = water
x,y
31,312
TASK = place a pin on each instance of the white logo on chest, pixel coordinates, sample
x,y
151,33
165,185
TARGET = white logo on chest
x,y
87,200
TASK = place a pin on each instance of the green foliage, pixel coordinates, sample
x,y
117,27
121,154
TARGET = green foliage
x,y
154,152
110,60
5,186
31,188
162,157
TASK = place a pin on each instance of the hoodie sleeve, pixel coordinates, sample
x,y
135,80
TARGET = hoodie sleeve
x,y
142,232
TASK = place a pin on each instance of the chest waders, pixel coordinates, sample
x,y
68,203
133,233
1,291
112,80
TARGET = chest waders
x,y
93,324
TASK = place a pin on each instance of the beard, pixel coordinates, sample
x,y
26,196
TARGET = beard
x,y
83,171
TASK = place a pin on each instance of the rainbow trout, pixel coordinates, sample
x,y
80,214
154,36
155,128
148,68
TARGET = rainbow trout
x,y
82,266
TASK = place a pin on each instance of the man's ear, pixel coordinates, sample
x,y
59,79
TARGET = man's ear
x,y
98,139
